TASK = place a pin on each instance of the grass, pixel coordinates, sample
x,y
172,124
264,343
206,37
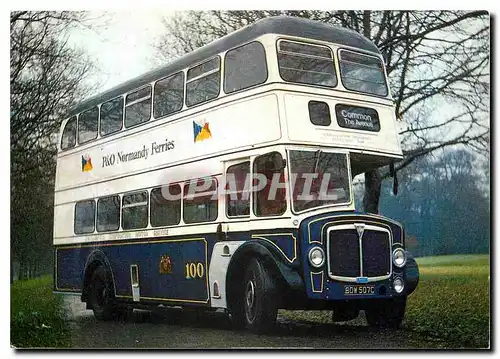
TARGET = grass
x,y
452,301
36,316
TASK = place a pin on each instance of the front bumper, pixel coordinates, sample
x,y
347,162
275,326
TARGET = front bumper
x,y
321,286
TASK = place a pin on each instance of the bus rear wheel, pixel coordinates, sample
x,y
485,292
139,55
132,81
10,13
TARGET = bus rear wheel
x,y
102,296
258,309
387,313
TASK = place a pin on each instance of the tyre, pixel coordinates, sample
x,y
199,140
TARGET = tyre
x,y
124,313
345,312
387,313
102,295
257,309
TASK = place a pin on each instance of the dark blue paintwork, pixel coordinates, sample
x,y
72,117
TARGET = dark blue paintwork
x,y
290,246
146,254
312,232
71,261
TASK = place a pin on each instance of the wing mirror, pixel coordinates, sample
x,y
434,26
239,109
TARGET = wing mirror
x,y
394,175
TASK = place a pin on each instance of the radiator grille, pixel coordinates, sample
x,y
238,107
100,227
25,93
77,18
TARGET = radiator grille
x,y
376,254
344,253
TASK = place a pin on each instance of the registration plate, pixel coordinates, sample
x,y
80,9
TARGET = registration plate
x,y
359,289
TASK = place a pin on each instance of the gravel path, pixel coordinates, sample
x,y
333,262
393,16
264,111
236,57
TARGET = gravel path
x,y
175,328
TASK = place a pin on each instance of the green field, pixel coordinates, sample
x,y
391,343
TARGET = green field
x,y
452,301
36,317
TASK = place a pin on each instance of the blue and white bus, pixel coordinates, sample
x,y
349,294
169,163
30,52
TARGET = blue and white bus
x,y
199,184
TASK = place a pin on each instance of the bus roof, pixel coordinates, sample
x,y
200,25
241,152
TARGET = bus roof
x,y
283,25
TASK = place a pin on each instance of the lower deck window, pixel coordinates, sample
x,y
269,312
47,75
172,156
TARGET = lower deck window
x,y
135,210
271,199
200,201
85,217
237,190
166,205
108,214
318,179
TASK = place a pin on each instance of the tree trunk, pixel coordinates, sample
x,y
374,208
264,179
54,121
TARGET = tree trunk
x,y
373,185
373,182
22,270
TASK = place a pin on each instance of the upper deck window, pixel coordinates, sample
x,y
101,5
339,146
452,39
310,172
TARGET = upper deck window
x,y
68,138
87,125
203,82
306,63
138,107
168,95
244,67
362,73
319,113
111,116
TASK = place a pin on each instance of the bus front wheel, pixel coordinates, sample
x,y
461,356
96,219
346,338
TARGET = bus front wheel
x,y
386,313
102,297
258,309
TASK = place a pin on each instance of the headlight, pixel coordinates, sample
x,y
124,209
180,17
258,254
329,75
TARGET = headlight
x,y
399,257
398,284
316,257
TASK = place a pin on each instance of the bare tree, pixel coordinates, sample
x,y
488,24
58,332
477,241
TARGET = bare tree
x,y
45,80
437,62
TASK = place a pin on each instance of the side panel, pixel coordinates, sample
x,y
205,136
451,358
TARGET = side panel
x,y
221,256
174,270
178,284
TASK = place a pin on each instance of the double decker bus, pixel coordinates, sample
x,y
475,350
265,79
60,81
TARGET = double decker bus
x,y
223,180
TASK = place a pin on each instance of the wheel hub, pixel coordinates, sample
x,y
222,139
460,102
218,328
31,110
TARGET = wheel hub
x,y
250,299
101,294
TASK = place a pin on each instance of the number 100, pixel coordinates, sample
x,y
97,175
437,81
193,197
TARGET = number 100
x,y
194,270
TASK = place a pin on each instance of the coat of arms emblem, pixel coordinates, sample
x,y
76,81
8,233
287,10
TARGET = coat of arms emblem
x,y
165,266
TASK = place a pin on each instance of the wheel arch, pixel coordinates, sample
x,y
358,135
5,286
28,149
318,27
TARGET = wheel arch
x,y
95,259
285,276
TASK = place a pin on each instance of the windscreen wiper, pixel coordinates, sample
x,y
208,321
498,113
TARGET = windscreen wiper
x,y
316,161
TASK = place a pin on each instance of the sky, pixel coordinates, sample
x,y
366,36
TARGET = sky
x,y
121,43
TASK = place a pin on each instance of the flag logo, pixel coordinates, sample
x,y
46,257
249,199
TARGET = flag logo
x,y
201,131
86,163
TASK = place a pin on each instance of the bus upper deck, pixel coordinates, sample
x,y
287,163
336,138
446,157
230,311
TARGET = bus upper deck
x,y
280,80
